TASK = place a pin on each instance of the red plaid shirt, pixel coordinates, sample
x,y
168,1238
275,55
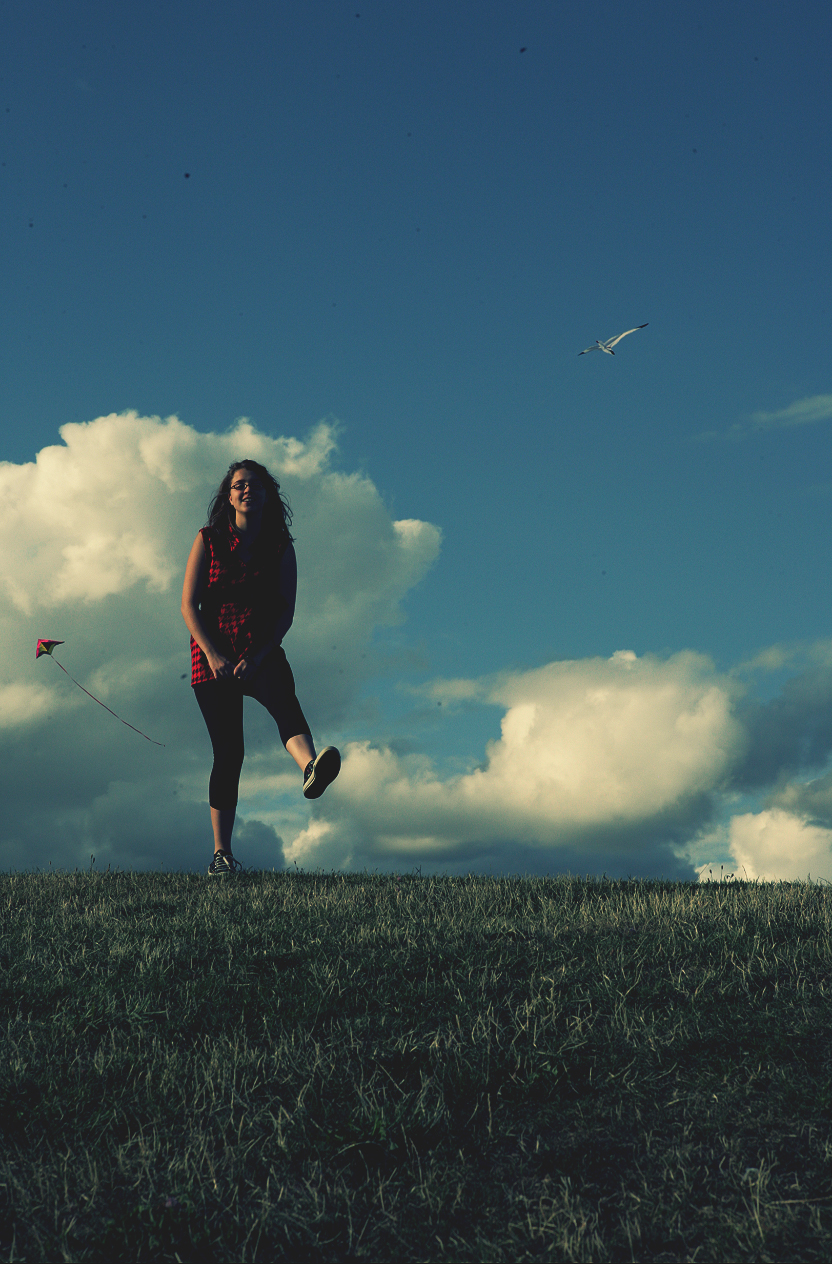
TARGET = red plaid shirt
x,y
241,602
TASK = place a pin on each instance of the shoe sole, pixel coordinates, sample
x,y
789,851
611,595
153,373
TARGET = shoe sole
x,y
324,771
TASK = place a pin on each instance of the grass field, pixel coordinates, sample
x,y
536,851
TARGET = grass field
x,y
310,1067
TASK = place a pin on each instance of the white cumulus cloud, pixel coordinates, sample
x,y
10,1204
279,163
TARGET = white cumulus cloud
x,y
592,754
774,845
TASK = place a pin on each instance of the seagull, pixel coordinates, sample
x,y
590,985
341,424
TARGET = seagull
x,y
610,342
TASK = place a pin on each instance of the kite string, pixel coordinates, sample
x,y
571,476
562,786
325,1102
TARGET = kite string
x,y
104,705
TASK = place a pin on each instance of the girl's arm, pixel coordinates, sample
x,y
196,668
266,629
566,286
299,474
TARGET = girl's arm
x,y
196,577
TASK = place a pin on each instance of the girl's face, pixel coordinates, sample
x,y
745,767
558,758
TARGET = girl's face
x,y
247,494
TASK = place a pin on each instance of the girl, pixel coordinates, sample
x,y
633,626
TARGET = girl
x,y
238,601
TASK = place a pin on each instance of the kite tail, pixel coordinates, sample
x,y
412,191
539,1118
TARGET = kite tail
x,y
104,705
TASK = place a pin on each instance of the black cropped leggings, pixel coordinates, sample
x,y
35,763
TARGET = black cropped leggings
x,y
221,704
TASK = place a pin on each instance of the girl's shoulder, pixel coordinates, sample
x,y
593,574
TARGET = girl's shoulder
x,y
217,545
209,538
272,545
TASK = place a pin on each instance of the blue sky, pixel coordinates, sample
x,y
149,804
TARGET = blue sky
x,y
408,219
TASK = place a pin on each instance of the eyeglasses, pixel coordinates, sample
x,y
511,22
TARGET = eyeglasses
x,y
252,483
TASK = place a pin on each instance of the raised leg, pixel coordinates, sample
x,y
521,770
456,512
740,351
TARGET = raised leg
x,y
302,749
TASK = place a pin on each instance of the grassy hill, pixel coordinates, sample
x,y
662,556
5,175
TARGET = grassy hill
x,y
311,1067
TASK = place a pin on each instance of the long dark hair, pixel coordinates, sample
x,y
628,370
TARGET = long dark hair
x,y
277,516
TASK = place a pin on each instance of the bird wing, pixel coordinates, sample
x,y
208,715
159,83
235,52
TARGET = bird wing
x,y
612,341
595,348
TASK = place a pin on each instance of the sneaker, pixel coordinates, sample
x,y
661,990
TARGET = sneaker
x,y
320,772
222,864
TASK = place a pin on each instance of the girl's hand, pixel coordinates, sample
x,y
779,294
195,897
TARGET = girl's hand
x,y
246,668
220,666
